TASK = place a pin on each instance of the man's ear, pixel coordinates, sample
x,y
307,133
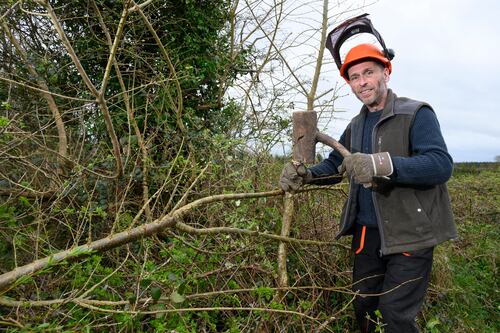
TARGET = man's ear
x,y
387,75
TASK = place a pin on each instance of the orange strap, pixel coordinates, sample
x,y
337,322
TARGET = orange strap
x,y
362,240
406,254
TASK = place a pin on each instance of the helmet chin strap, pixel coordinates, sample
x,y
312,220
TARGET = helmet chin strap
x,y
356,25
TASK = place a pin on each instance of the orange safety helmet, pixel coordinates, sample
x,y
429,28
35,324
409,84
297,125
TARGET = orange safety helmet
x,y
361,52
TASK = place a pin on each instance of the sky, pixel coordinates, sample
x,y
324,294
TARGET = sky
x,y
447,54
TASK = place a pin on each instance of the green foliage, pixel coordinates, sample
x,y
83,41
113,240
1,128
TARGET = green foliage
x,y
377,321
155,293
8,215
175,297
176,267
265,293
432,325
3,120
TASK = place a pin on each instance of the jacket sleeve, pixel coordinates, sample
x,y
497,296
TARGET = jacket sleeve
x,y
326,172
429,163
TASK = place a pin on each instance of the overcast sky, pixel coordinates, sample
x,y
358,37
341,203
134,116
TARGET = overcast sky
x,y
447,54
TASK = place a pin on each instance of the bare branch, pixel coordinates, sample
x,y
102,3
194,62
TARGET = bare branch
x,y
43,91
136,7
245,232
319,60
179,107
114,46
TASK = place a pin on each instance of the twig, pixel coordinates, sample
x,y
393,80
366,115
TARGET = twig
x,y
278,51
31,303
46,91
219,308
136,7
61,130
228,230
179,107
334,316
184,196
4,15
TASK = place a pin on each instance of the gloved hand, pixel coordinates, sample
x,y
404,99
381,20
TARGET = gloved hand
x,y
293,176
363,167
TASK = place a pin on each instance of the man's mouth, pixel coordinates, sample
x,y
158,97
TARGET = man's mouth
x,y
365,92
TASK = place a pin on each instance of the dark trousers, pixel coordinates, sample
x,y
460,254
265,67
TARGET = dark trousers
x,y
398,283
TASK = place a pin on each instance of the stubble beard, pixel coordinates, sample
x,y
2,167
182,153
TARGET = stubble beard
x,y
378,94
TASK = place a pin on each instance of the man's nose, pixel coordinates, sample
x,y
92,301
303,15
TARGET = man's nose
x,y
362,80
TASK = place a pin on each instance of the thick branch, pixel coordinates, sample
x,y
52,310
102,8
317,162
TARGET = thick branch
x,y
136,7
114,46
69,47
220,308
126,99
123,237
40,303
285,232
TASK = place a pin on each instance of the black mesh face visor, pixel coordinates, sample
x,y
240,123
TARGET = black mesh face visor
x,y
356,25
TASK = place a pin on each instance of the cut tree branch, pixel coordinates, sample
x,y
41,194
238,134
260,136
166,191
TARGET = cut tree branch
x,y
124,237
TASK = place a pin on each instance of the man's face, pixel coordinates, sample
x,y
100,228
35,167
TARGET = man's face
x,y
368,81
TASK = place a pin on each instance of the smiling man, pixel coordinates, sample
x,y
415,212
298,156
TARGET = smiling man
x,y
398,207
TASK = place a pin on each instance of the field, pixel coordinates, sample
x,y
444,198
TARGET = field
x,y
464,295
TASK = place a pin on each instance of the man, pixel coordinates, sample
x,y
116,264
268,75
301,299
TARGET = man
x,y
398,207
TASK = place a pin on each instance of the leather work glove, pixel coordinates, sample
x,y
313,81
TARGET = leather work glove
x,y
363,167
293,176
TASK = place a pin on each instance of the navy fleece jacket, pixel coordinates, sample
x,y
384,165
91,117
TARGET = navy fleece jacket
x,y
430,163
